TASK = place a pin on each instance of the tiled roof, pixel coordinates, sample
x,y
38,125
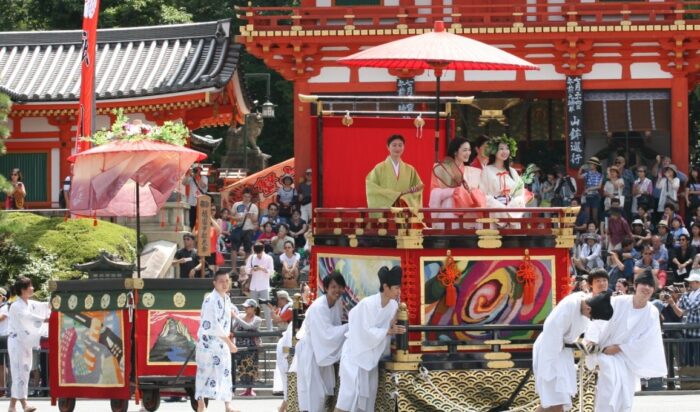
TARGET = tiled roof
x,y
131,62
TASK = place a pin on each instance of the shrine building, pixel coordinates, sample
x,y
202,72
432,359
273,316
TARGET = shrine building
x,y
185,72
614,76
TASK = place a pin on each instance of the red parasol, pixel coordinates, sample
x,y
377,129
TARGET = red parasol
x,y
437,50
105,177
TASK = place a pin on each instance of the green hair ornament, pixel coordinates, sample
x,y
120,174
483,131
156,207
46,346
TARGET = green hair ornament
x,y
492,145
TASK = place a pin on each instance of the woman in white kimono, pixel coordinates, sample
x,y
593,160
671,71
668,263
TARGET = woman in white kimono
x,y
24,335
501,183
454,184
214,346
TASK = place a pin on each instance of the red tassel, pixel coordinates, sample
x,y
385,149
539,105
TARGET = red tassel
x,y
162,218
526,276
177,224
447,276
94,218
450,295
66,216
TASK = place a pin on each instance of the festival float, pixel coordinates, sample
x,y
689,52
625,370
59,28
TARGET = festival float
x,y
114,334
478,283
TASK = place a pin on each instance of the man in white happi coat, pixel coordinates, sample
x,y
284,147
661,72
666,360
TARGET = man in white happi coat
x,y
320,344
552,359
370,326
632,348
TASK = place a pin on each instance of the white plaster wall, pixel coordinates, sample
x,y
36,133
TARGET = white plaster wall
x,y
648,70
602,71
332,75
489,75
429,76
546,72
101,121
373,75
37,124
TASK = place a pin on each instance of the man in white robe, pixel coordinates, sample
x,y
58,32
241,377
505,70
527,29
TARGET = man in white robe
x,y
552,361
632,348
320,345
282,365
370,326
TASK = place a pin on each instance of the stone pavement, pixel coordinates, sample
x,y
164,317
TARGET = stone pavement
x,y
686,402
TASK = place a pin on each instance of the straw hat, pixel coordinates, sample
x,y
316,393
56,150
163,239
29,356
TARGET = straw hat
x,y
594,160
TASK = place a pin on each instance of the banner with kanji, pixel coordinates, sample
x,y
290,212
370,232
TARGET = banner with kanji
x,y
86,109
263,183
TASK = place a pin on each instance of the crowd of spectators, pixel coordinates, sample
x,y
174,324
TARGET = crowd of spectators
x,y
628,224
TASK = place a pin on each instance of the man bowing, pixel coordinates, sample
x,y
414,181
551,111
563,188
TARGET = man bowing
x,y
552,359
370,325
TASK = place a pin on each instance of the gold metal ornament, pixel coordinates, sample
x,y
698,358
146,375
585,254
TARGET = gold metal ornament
x,y
89,301
347,120
419,122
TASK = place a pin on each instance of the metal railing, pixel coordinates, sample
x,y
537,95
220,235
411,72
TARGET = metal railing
x,y
682,353
38,377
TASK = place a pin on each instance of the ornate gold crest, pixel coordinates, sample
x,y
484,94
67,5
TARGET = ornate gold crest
x,y
56,302
104,302
89,301
121,300
72,302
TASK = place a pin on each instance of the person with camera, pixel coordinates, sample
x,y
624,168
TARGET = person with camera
x,y
688,307
195,184
260,268
282,309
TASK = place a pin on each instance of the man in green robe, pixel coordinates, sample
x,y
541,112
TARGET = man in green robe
x,y
393,181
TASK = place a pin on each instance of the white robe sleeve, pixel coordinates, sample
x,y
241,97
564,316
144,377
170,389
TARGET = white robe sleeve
x,y
327,338
644,353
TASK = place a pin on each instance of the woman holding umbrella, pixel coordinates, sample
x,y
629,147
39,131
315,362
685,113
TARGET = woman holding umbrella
x,y
454,184
501,183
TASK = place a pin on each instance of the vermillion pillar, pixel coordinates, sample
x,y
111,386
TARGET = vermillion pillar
x,y
302,130
679,121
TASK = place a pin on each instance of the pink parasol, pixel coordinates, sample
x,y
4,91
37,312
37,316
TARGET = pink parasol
x,y
105,177
437,50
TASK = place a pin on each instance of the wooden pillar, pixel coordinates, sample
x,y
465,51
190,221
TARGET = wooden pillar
x,y
303,141
679,121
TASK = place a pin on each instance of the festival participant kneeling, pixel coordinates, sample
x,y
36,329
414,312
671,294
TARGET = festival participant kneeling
x,y
370,325
632,348
214,346
320,345
552,361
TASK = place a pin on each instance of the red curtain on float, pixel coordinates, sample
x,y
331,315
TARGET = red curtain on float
x,y
349,153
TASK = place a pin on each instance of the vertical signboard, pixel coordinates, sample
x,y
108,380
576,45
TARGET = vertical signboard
x,y
405,87
574,118
203,225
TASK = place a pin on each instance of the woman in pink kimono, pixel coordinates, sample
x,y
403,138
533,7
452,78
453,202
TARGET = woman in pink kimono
x,y
454,184
501,183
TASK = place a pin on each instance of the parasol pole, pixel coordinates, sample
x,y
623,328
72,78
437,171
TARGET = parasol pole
x,y
438,74
138,232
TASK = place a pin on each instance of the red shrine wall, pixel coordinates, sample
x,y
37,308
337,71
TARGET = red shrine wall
x,y
349,153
